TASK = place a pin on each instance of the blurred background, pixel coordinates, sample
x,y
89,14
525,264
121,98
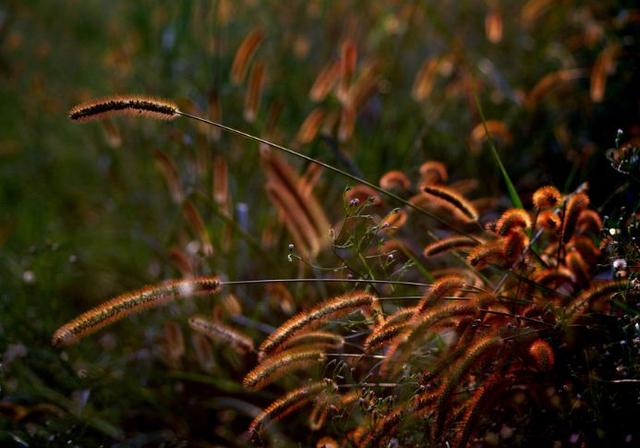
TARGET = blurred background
x,y
90,211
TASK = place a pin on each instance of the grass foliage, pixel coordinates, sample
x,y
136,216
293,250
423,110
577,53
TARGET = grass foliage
x,y
393,126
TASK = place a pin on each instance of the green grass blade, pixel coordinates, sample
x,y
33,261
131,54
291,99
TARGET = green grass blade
x,y
513,194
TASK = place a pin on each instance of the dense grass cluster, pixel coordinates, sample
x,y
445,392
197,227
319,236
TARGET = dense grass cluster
x,y
365,224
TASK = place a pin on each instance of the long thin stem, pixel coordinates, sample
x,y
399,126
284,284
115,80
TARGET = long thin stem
x,y
325,280
343,386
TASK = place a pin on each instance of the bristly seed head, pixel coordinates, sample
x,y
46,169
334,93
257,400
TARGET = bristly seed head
x,y
546,197
125,105
130,303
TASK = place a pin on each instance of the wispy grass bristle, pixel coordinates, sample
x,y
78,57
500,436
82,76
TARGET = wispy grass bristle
x,y
221,332
324,83
446,245
310,126
243,55
455,200
425,79
254,91
395,179
196,222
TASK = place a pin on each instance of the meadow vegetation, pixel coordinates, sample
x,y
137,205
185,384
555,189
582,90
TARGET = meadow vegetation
x,y
359,224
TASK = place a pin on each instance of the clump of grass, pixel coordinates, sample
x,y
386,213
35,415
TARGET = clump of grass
x,y
547,118
509,320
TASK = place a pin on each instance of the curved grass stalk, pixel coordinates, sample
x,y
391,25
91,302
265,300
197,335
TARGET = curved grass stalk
x,y
318,339
287,404
278,365
448,244
316,316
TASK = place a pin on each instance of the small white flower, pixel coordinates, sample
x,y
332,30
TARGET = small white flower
x,y
620,263
28,277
